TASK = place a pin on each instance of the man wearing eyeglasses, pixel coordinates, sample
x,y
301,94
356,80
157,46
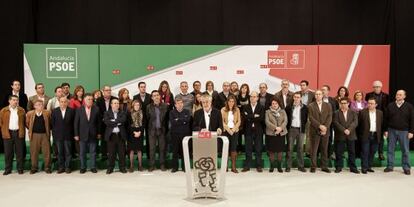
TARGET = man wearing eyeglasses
x,y
382,100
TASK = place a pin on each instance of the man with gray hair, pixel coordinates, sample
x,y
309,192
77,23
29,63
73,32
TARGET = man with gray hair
x,y
208,117
222,97
382,100
284,95
187,98
400,122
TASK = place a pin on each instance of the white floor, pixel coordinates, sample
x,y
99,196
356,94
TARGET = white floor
x,y
243,189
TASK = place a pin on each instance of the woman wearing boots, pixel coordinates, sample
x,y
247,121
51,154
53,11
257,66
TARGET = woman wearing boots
x,y
231,124
136,134
276,121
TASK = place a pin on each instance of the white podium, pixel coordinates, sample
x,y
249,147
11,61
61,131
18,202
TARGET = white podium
x,y
202,179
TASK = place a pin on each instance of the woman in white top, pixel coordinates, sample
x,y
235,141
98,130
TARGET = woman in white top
x,y
231,124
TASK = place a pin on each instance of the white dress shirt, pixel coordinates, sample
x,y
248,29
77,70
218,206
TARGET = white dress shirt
x,y
296,116
14,119
230,119
207,119
373,121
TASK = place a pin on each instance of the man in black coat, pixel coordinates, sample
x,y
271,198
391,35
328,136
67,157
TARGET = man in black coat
x,y
180,120
253,115
382,99
115,136
222,97
88,131
104,104
63,133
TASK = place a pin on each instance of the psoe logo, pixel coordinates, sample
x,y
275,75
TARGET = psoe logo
x,y
61,62
285,59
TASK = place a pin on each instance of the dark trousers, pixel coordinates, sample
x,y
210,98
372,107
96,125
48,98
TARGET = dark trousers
x,y
369,147
322,143
90,145
14,145
253,139
116,146
157,135
177,150
340,147
64,153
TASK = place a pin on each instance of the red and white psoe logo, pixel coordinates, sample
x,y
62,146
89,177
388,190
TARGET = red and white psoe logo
x,y
204,134
285,59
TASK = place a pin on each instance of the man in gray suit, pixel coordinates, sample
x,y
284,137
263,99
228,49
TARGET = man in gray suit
x,y
320,117
345,122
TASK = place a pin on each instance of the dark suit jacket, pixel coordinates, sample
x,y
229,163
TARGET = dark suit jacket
x,y
151,116
111,123
216,121
62,128
383,104
221,100
364,124
100,103
311,97
87,129
268,102
144,103
249,116
340,125
317,118
303,116
289,99
22,100
214,96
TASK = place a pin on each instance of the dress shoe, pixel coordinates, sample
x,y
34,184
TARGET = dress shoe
x,y
287,170
131,169
370,170
68,170
364,171
7,172
109,171
388,170
407,172
302,169
82,171
140,168
48,171
33,172
312,170
381,157
150,169
123,170
174,170
356,171
60,171
338,170
271,169
326,170
162,167
20,172
93,170
259,169
245,169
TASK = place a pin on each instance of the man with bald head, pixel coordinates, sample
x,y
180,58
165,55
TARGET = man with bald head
x,y
400,121
382,100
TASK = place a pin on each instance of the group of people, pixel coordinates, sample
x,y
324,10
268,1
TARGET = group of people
x,y
115,127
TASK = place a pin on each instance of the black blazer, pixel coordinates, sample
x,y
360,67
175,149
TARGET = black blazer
x,y
22,100
364,124
111,123
249,116
62,128
383,104
221,100
87,129
100,103
151,116
340,125
268,102
216,120
303,116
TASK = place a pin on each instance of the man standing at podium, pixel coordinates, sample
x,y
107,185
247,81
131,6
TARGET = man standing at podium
x,y
208,117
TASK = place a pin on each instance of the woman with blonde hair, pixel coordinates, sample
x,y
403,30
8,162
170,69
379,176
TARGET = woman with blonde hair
x,y
136,123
